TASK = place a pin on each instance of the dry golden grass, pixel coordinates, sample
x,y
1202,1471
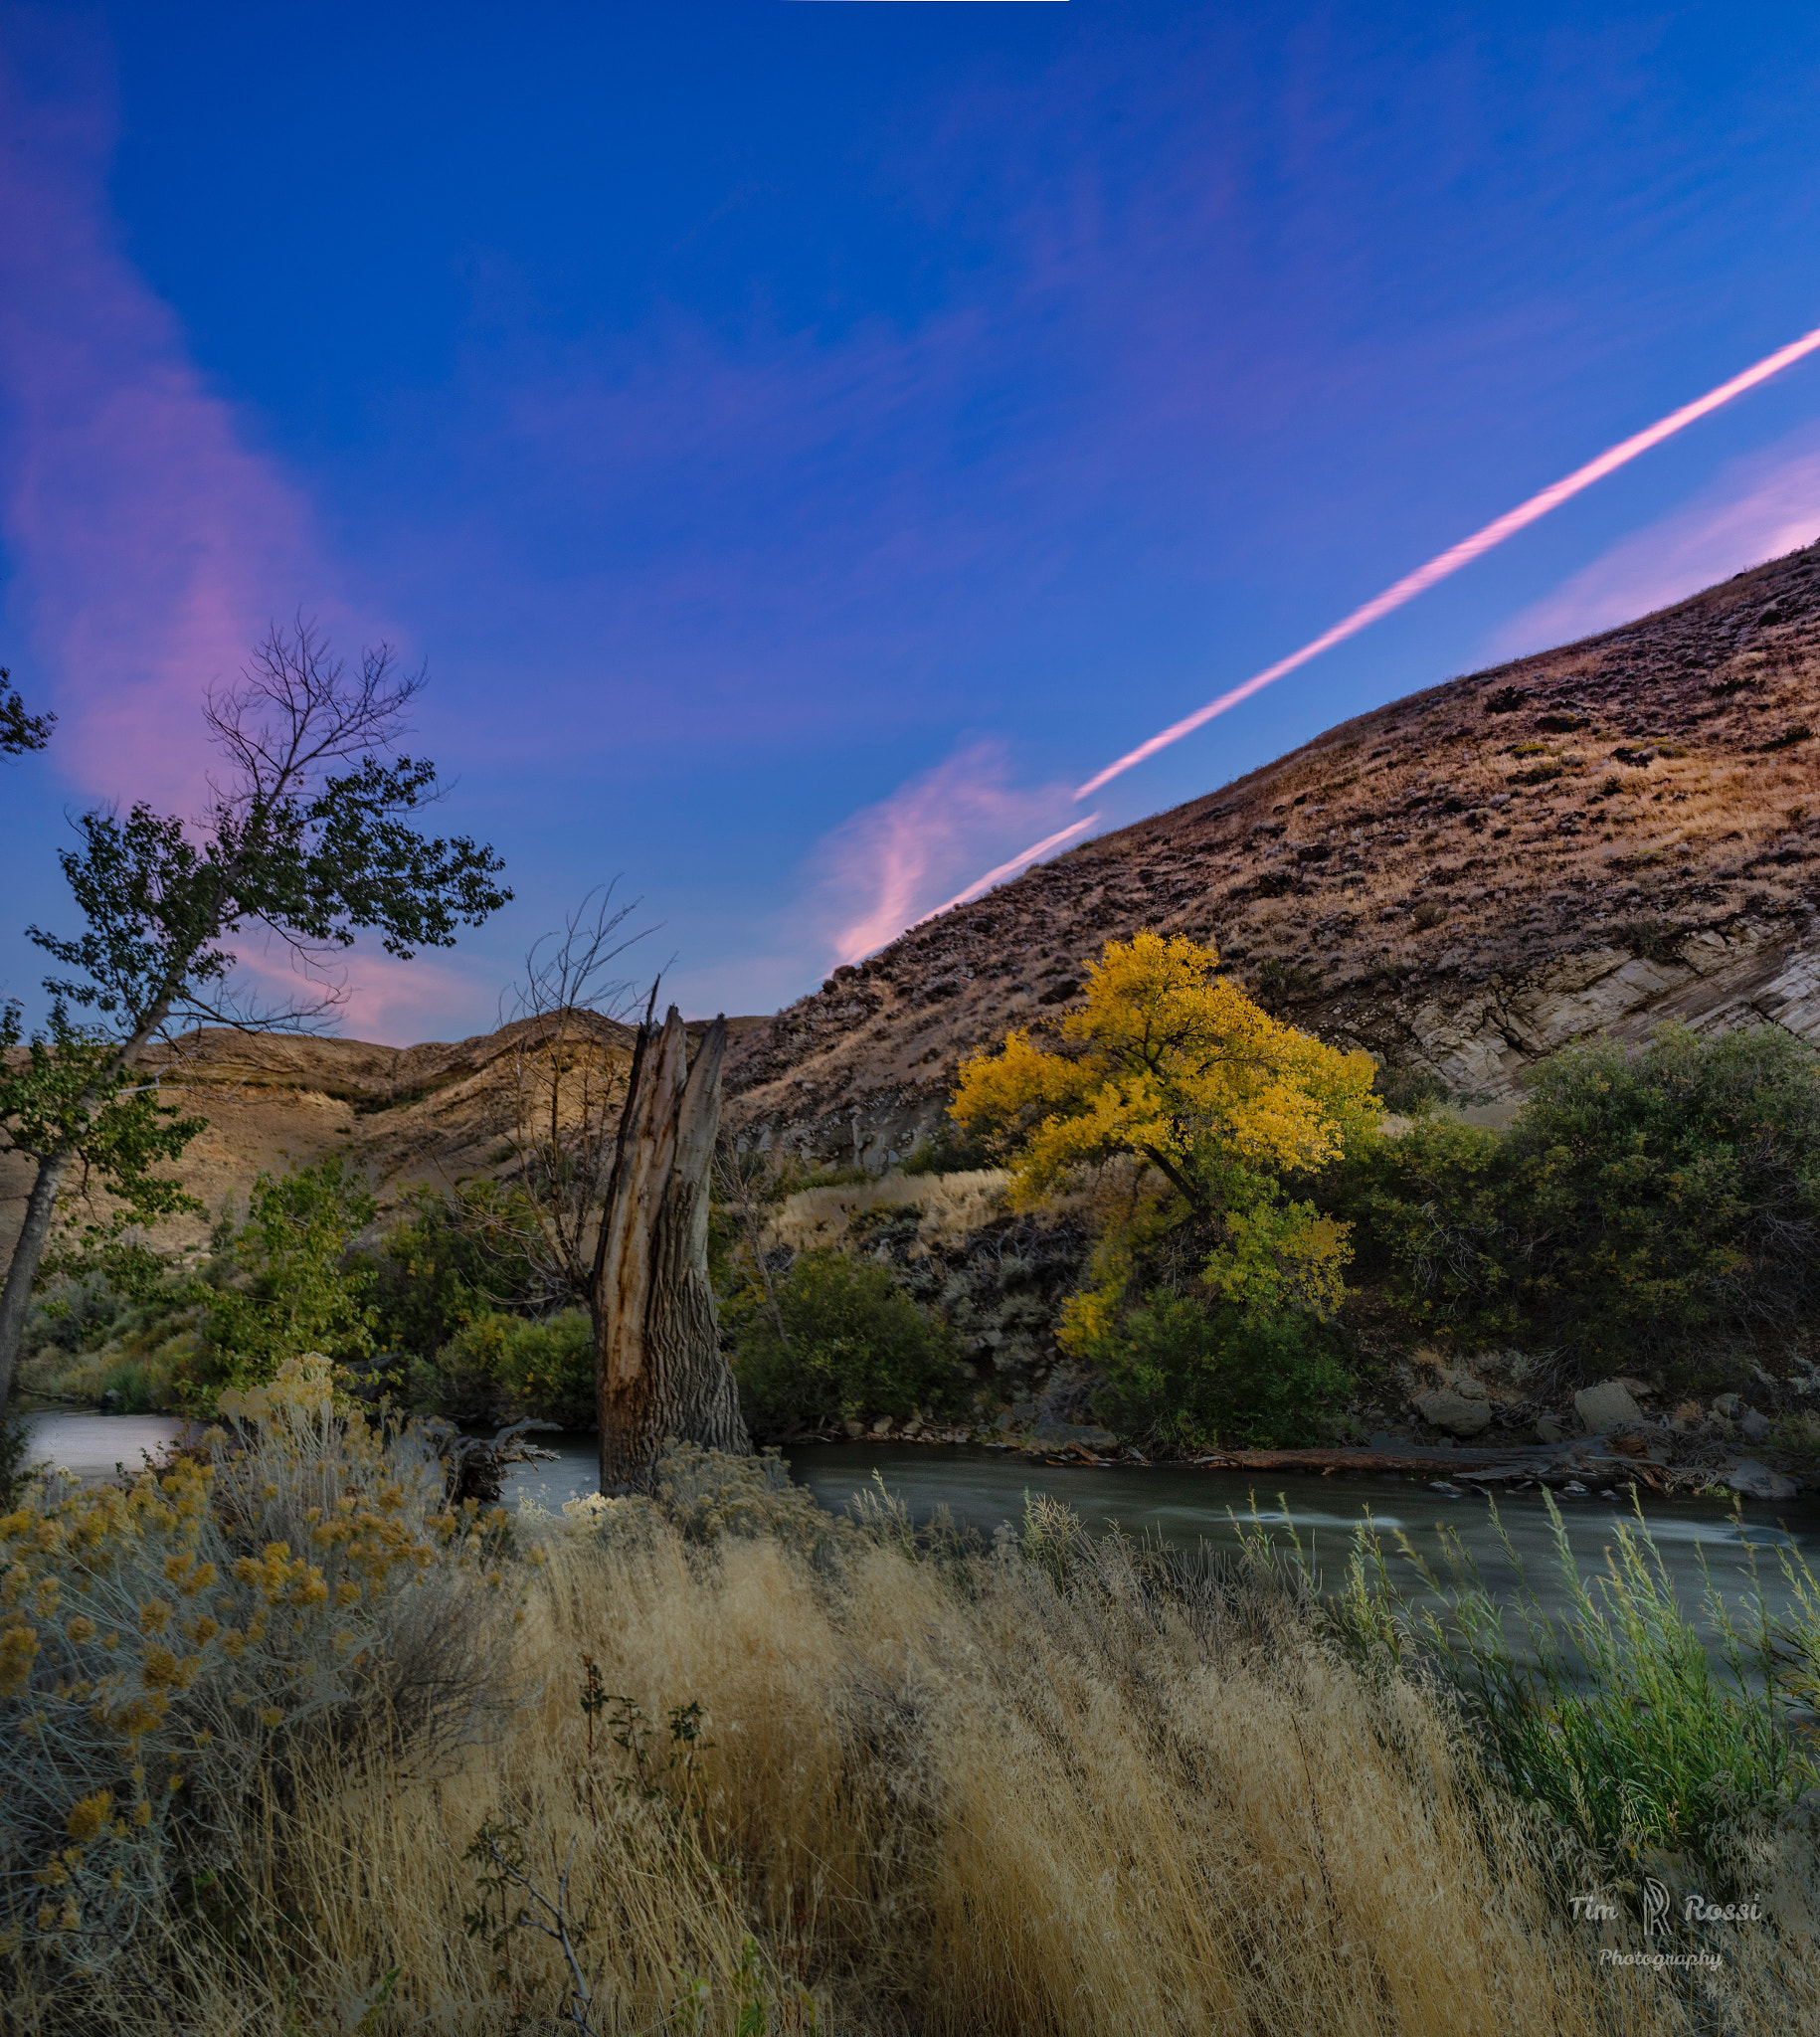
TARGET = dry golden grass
x,y
951,1207
961,1800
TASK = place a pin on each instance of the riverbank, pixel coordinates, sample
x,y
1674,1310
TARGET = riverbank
x,y
984,1488
733,1767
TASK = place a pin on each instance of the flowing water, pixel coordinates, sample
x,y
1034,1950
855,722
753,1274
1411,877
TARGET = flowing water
x,y
982,1488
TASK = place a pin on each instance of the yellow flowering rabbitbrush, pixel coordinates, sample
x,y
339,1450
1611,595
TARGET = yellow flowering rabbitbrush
x,y
289,1575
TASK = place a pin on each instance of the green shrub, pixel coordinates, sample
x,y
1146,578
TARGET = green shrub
x,y
1408,1091
1639,1204
140,1385
1197,1375
293,1286
1671,1193
450,1259
547,1370
1436,1224
17,1464
72,1314
500,1367
850,1343
949,1150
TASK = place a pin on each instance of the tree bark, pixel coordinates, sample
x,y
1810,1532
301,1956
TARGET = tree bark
x,y
660,1376
22,1273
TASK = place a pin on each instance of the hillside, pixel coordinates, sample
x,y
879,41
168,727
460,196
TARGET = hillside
x,y
1602,836
1599,836
414,1114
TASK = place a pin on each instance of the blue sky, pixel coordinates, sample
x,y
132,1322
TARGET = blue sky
x,y
808,439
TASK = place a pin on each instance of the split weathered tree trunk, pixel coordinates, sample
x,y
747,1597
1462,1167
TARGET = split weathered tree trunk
x,y
659,1370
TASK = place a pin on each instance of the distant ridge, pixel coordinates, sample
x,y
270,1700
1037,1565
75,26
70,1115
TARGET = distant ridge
x,y
1595,838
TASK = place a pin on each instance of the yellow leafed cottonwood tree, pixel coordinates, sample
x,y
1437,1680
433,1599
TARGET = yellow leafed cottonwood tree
x,y
1175,1067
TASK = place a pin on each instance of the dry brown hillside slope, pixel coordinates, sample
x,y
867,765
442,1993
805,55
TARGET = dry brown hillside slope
x,y
1618,831
406,1114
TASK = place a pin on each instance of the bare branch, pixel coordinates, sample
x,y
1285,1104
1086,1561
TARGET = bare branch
x,y
572,971
294,711
569,1064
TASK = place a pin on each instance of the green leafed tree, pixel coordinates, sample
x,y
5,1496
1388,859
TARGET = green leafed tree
x,y
20,731
311,836
294,1289
65,1090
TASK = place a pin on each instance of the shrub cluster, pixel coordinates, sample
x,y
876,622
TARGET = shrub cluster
x,y
507,1366
1195,1374
836,1337
438,1314
158,1335
169,1648
1640,1204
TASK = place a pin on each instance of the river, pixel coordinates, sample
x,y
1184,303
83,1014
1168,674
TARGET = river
x,y
982,1488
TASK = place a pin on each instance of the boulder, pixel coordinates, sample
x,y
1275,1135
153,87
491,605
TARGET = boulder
x,y
1753,1427
1606,1406
1467,1386
1758,1482
1728,1404
1063,1435
1444,1408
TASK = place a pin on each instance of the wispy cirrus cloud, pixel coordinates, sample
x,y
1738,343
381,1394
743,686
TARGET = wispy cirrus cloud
x,y
1757,509
899,861
152,544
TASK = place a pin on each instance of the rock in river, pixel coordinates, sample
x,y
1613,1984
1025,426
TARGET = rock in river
x,y
1758,1482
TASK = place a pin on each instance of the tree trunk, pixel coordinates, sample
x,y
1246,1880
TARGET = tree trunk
x,y
41,1204
33,1234
660,1376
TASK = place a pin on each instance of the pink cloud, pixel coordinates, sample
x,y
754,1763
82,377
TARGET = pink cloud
x,y
1757,509
381,1000
152,546
892,863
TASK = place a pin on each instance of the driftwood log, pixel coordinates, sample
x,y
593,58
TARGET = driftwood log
x,y
659,1374
1343,1460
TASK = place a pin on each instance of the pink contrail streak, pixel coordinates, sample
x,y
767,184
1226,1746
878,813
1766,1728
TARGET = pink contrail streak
x,y
1015,864
1462,554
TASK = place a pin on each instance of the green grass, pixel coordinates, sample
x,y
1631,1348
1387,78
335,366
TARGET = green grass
x,y
1637,1729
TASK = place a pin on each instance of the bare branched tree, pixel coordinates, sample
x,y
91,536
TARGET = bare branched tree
x,y
569,1064
735,1174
